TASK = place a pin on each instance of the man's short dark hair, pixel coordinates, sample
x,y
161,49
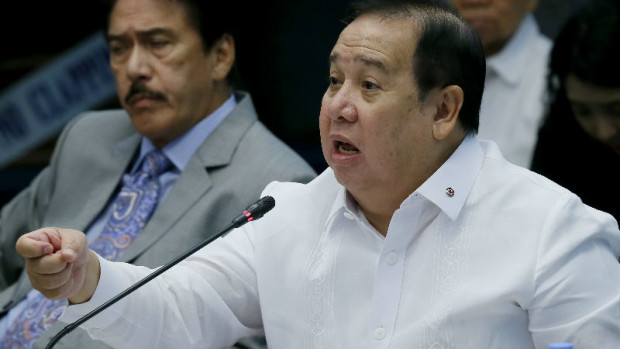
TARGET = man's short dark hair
x,y
448,50
211,19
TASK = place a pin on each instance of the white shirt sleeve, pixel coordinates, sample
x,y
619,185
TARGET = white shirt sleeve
x,y
180,308
577,280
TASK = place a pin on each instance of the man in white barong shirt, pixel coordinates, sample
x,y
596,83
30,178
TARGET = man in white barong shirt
x,y
418,235
513,104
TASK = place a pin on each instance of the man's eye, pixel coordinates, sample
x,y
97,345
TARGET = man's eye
x,y
159,43
117,49
370,85
332,80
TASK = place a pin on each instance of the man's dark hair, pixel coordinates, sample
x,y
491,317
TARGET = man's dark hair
x,y
211,19
448,50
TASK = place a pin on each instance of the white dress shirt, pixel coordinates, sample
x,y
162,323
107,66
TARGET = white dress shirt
x,y
484,254
513,103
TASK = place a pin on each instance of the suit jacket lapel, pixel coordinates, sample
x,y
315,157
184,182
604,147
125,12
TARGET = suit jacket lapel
x,y
194,183
102,178
107,183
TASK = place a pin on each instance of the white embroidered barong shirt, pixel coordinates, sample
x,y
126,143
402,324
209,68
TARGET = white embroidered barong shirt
x,y
484,254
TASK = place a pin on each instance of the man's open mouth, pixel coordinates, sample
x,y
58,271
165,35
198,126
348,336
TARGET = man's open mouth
x,y
346,148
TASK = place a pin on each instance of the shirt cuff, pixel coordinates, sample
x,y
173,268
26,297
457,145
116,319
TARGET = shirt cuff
x,y
112,281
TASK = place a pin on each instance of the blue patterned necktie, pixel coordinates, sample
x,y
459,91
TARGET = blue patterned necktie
x,y
132,209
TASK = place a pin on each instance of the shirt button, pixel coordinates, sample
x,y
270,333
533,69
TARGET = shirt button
x,y
391,258
380,333
349,215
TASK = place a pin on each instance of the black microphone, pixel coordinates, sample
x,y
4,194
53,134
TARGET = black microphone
x,y
251,213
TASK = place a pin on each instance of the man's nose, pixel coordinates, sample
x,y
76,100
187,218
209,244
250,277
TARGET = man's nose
x,y
138,64
342,105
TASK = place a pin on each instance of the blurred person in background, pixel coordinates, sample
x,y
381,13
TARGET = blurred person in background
x,y
517,54
579,144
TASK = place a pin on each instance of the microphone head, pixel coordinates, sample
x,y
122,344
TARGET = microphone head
x,y
255,211
262,206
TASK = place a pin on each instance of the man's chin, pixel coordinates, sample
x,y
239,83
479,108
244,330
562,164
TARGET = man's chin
x,y
151,127
159,139
348,177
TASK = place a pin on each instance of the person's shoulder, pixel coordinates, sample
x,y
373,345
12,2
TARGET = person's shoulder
x,y
506,172
263,140
272,157
546,195
500,178
300,205
99,121
260,145
257,138
299,213
110,117
525,201
321,190
97,128
535,38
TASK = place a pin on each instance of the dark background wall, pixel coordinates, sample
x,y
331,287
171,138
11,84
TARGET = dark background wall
x,y
282,60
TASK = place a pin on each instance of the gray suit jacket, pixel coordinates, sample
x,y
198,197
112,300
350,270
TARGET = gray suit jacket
x,y
227,173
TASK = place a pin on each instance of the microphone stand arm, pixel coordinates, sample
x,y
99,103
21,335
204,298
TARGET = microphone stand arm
x,y
253,212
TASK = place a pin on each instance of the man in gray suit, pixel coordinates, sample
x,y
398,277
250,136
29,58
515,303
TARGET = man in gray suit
x,y
172,76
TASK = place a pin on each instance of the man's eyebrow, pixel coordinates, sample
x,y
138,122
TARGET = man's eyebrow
x,y
144,33
369,61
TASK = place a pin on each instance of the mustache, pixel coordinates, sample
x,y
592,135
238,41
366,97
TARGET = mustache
x,y
141,89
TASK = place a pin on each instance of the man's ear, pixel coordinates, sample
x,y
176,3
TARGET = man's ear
x,y
448,103
224,56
